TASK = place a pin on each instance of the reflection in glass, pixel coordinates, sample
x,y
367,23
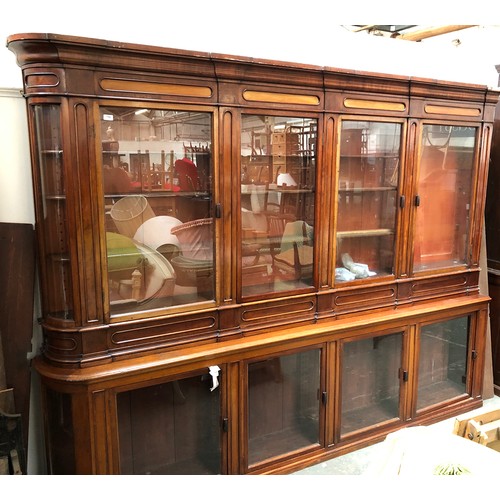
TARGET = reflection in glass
x,y
370,381
442,367
283,404
170,428
444,189
157,177
367,199
278,163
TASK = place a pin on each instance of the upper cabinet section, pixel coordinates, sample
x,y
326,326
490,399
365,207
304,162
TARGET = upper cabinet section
x,y
218,195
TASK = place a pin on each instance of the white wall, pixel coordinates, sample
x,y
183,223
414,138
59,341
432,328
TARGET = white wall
x,y
16,198
306,31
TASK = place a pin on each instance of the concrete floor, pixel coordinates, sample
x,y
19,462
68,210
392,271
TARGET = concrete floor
x,y
363,462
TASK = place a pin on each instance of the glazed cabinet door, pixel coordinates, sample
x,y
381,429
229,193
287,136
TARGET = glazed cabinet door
x,y
157,175
278,183
369,166
373,372
283,406
174,427
50,179
444,196
444,362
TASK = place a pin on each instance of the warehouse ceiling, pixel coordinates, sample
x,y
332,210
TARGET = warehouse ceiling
x,y
411,32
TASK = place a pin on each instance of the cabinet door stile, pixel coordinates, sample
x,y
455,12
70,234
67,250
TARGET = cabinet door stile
x,y
322,201
229,179
101,432
113,439
73,210
84,434
243,426
408,387
477,353
83,173
407,242
99,201
333,413
328,203
231,438
402,202
479,194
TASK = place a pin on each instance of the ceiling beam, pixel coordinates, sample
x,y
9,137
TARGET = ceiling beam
x,y
418,35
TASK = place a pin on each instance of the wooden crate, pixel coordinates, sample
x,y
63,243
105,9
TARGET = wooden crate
x,y
483,429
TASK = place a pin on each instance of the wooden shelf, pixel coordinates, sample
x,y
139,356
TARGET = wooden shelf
x,y
360,190
364,233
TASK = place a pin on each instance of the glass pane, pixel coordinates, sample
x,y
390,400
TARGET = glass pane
x,y
444,189
278,169
157,174
171,428
370,381
367,199
58,301
283,405
442,368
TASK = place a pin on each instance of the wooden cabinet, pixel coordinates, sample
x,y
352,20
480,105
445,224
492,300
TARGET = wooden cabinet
x,y
492,223
247,267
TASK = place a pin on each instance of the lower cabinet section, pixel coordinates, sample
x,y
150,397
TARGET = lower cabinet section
x,y
270,403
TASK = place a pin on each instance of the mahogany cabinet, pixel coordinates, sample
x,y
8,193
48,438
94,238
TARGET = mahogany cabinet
x,y
249,266
492,230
